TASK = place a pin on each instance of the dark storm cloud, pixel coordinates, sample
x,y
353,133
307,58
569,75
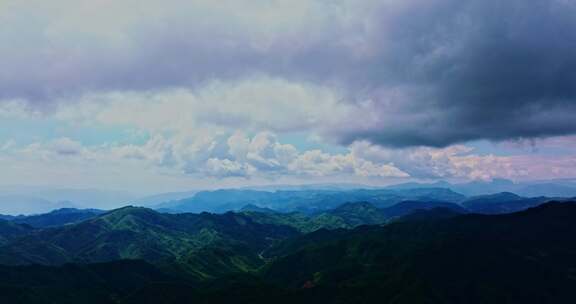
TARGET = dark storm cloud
x,y
453,71
417,72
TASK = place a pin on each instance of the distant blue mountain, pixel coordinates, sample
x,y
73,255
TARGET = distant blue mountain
x,y
332,187
306,201
553,188
162,198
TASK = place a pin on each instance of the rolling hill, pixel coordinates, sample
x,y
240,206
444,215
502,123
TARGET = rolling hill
x,y
140,233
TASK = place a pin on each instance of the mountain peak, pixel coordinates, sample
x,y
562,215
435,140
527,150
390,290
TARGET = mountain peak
x,y
129,209
120,213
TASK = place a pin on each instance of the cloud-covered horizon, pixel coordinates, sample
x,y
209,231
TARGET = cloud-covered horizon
x,y
420,82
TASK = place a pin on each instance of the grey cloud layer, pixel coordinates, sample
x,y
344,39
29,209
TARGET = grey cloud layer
x,y
462,70
416,72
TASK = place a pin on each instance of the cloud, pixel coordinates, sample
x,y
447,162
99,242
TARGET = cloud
x,y
445,72
59,148
238,155
317,163
252,104
133,45
262,157
453,162
558,143
463,163
264,154
398,73
227,168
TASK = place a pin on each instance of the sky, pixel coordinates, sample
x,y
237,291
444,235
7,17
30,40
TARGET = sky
x,y
167,95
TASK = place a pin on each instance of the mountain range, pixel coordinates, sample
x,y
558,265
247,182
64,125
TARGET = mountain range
x,y
550,188
137,255
413,245
305,201
27,200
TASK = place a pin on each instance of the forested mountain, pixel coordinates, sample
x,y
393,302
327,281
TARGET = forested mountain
x,y
390,249
140,233
525,257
